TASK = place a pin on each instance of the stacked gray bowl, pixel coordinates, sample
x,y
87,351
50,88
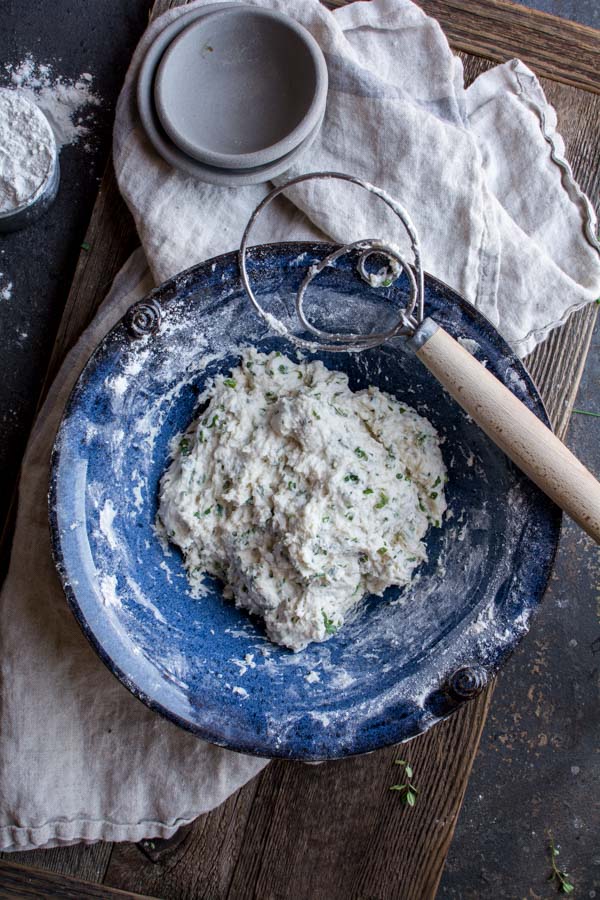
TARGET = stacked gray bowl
x,y
232,94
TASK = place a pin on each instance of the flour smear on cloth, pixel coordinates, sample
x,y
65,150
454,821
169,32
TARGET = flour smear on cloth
x,y
501,220
301,495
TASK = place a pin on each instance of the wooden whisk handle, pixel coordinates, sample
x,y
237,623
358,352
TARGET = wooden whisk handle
x,y
513,427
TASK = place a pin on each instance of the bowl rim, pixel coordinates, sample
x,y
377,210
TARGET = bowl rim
x,y
254,745
168,151
274,151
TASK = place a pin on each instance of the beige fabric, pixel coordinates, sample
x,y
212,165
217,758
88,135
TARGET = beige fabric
x,y
80,758
481,171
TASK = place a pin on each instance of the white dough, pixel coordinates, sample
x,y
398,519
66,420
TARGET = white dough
x,y
301,495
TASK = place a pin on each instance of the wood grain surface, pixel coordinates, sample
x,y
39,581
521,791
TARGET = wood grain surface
x,y
497,29
20,881
333,831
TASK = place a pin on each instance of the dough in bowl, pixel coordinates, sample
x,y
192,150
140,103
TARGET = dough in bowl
x,y
301,495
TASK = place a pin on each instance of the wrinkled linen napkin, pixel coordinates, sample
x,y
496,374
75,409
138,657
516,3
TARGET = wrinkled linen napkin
x,y
482,174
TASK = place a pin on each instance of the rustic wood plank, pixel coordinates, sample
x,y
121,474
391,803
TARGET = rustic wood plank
x,y
318,832
88,862
22,881
497,29
201,865
559,361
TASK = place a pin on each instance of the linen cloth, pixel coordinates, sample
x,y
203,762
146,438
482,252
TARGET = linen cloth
x,y
481,171
482,174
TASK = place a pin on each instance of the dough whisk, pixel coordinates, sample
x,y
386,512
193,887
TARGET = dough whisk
x,y
515,429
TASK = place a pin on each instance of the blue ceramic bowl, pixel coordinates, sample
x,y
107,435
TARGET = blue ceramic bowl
x,y
403,661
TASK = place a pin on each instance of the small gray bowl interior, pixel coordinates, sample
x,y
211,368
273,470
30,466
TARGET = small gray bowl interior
x,y
241,87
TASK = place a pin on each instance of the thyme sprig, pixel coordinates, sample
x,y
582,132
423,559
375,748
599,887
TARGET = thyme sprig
x,y
408,792
558,875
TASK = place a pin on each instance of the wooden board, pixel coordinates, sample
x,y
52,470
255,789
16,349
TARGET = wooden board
x,y
20,881
335,830
498,30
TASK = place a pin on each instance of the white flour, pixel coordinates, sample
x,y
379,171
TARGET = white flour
x,y
27,151
6,287
67,103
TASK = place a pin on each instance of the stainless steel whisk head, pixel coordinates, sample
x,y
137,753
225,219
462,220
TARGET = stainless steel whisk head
x,y
409,318
502,415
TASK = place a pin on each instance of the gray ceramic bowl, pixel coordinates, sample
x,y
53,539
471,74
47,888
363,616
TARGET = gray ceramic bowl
x,y
241,87
162,143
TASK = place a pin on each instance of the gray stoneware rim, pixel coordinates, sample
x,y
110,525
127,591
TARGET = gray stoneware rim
x,y
275,151
172,154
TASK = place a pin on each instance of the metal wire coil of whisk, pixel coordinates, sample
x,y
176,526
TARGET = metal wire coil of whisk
x,y
409,318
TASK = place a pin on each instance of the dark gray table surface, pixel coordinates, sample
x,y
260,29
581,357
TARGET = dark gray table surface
x,y
539,762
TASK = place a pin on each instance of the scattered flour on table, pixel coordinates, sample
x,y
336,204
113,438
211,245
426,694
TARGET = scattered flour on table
x,y
300,495
27,151
69,104
6,287
470,346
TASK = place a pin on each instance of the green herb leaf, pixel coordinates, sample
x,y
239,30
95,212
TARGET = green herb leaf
x,y
230,382
330,627
85,246
360,453
586,412
184,447
408,790
383,501
351,477
558,875
283,369
382,551
368,491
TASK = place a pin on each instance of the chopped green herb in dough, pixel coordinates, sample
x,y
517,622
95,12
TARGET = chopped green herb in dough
x,y
270,492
